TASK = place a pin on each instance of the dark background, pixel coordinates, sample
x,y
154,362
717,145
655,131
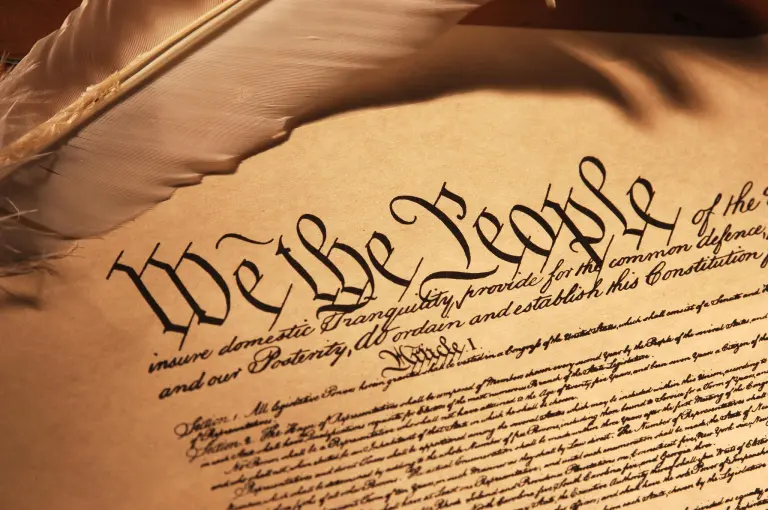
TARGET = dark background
x,y
23,22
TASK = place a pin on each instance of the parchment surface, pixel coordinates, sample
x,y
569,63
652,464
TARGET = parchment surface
x,y
541,285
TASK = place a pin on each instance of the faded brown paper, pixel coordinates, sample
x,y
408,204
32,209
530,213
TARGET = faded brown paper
x,y
82,375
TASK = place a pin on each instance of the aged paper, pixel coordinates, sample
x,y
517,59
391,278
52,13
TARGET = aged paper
x,y
544,286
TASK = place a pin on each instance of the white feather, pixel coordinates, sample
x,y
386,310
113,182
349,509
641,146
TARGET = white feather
x,y
189,97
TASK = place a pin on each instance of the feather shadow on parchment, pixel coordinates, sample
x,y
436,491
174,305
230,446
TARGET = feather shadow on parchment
x,y
551,62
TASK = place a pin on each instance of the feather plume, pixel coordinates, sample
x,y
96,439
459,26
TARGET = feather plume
x,y
132,99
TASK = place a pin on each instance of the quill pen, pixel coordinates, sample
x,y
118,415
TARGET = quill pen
x,y
131,99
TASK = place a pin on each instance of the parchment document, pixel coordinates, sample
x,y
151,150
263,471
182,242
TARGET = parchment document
x,y
531,275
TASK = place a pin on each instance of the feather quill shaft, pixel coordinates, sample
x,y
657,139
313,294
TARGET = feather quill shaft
x,y
100,96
